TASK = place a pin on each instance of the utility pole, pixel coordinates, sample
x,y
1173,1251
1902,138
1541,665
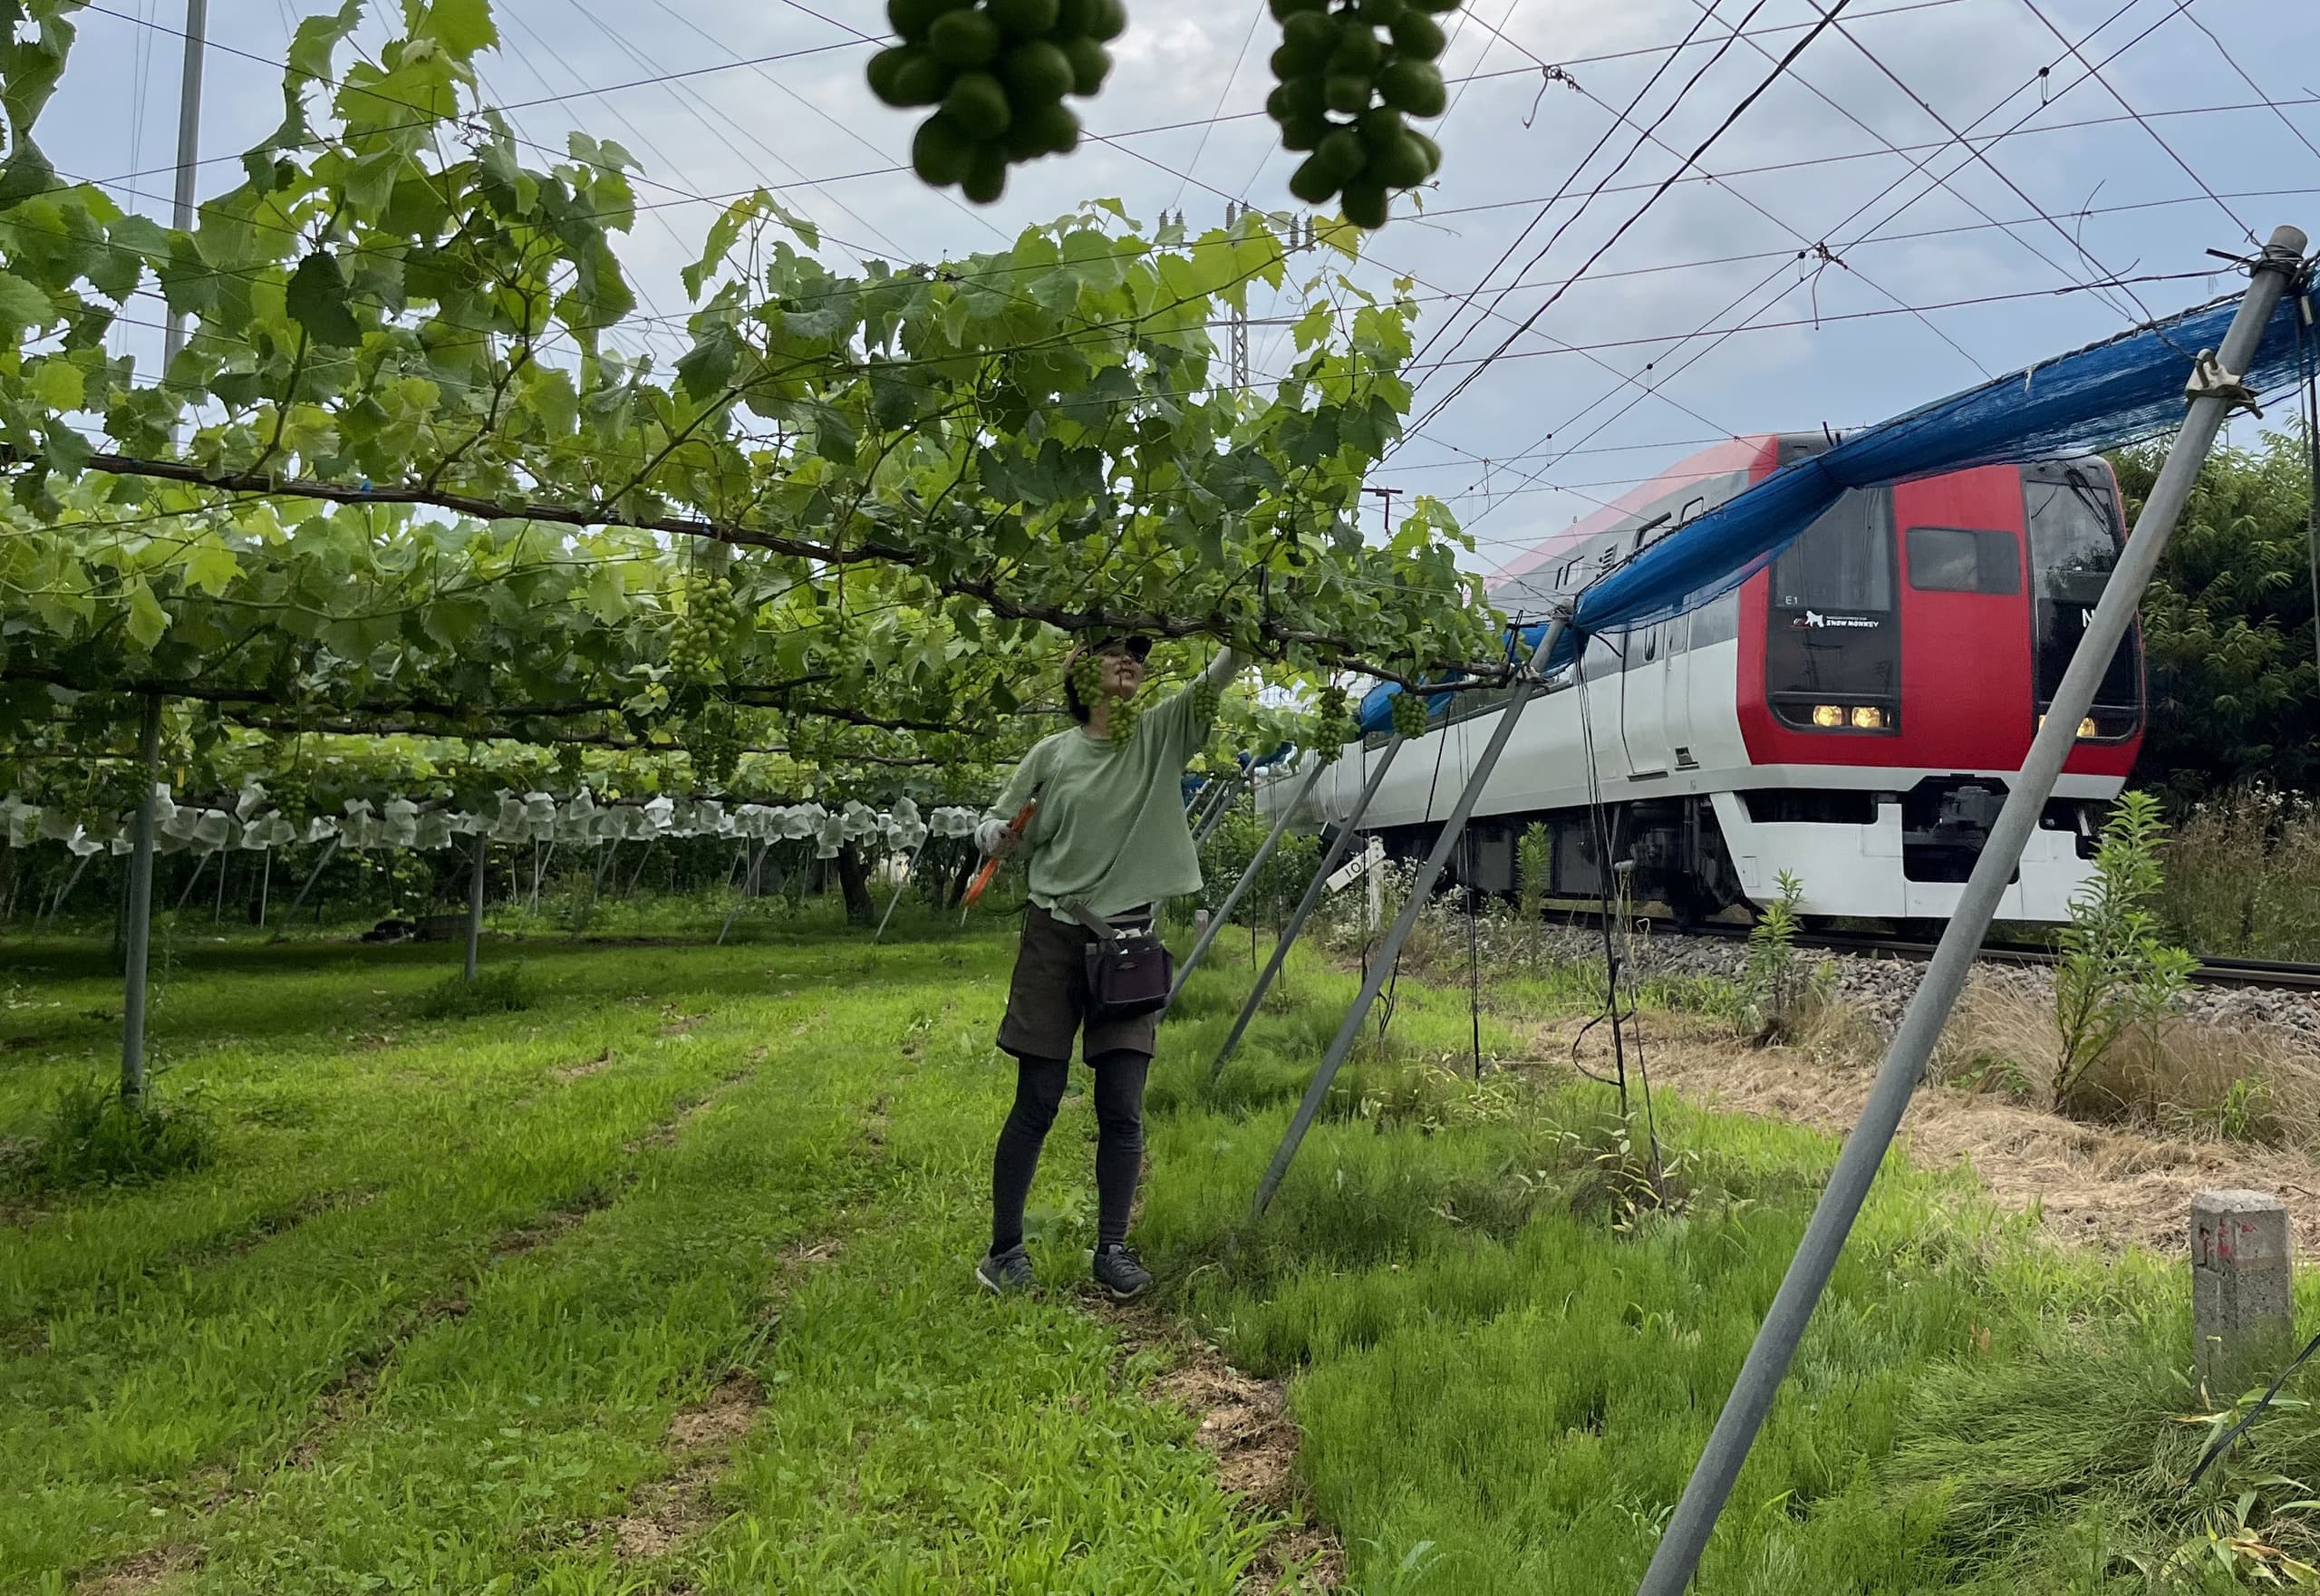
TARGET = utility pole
x,y
1386,503
197,28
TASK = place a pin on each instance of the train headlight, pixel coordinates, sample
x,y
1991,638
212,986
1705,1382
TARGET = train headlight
x,y
1827,715
1867,718
2086,727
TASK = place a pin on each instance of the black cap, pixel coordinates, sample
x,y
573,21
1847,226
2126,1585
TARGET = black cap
x,y
1139,647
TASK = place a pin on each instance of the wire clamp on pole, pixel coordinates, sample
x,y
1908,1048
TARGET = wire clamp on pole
x,y
2211,381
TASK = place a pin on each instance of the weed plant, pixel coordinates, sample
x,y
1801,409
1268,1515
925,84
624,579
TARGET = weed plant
x,y
94,1136
497,989
2243,877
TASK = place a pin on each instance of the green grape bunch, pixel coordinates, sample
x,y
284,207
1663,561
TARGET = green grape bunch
x,y
1333,724
997,71
1352,73
1409,715
1121,728
568,763
713,738
1206,701
703,629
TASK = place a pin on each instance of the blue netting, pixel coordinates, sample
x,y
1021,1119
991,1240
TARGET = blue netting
x,y
2121,392
2117,392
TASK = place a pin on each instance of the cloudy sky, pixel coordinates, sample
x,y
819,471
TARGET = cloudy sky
x,y
2137,135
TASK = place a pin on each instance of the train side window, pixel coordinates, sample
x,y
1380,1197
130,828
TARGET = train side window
x,y
1717,620
1958,559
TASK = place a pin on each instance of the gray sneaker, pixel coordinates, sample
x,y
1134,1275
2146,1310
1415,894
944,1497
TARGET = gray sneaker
x,y
1118,1272
1005,1272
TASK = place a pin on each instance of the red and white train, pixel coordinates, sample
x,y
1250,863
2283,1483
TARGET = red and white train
x,y
1848,715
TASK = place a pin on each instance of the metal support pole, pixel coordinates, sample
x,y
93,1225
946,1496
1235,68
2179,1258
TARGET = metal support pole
x,y
540,862
475,900
1332,857
139,926
197,29
1248,878
191,882
65,891
900,888
1526,689
330,852
749,891
264,885
1213,803
1678,1555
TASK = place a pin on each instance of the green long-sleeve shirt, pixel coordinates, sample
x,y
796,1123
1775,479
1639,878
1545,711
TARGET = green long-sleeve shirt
x,y
1111,831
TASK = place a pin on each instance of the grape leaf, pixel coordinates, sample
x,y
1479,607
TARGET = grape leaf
x,y
316,300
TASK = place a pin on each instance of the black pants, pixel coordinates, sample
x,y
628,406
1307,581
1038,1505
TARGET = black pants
x,y
1119,1142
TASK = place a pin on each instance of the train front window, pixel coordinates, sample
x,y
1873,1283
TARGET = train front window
x,y
1844,562
1832,653
2074,539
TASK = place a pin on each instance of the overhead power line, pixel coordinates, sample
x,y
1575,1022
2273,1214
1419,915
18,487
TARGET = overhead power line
x,y
1827,20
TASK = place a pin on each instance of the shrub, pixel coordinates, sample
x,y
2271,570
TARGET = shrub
x,y
1534,863
95,1136
501,989
2117,973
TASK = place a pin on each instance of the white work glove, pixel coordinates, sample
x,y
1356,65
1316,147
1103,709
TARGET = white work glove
x,y
990,835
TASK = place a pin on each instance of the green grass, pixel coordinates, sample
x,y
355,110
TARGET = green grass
x,y
426,1316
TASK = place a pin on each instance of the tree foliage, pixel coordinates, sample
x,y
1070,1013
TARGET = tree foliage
x,y
2227,624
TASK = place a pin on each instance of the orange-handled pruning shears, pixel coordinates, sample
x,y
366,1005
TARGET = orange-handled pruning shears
x,y
991,866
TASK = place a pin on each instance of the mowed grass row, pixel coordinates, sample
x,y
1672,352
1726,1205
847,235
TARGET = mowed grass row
x,y
685,1167
789,1188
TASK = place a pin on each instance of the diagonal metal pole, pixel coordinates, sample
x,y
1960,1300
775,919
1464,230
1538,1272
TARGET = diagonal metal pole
x,y
65,891
749,891
1348,834
901,886
1677,1556
1248,878
191,882
1527,687
330,851
1214,815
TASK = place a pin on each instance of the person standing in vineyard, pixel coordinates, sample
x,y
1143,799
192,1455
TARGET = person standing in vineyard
x,y
1110,836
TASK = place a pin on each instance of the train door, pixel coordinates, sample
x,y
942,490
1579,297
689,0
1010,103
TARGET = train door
x,y
1643,701
1676,653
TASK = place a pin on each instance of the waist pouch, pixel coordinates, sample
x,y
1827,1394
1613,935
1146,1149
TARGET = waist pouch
x,y
1128,970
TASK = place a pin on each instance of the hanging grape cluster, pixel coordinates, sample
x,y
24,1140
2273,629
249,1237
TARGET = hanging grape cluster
x,y
288,794
1087,681
1121,728
713,738
568,763
1206,701
1333,724
704,627
1409,715
1351,75
998,71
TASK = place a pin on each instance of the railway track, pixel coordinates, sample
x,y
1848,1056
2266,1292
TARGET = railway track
x,y
2211,972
